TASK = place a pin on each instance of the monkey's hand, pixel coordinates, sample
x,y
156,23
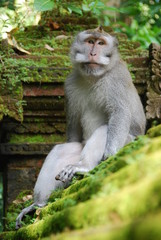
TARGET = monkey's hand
x,y
68,172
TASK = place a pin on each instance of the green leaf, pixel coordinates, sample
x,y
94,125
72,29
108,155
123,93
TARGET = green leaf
x,y
100,5
131,10
85,8
43,5
72,8
92,4
9,4
113,9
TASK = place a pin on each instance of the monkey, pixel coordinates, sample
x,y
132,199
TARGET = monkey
x,y
104,113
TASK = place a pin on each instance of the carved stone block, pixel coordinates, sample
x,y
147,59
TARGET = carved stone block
x,y
153,108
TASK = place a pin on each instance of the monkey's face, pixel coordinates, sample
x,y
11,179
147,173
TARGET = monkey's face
x,y
93,53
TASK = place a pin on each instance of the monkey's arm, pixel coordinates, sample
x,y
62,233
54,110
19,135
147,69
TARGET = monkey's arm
x,y
91,155
74,130
117,130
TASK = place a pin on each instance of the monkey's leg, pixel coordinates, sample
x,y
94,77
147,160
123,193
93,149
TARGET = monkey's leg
x,y
59,157
91,155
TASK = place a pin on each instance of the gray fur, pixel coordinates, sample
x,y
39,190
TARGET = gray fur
x,y
104,112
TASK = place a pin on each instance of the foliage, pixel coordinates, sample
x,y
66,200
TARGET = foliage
x,y
24,199
11,75
9,4
80,8
140,20
16,14
42,5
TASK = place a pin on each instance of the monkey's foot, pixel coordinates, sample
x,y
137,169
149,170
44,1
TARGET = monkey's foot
x,y
67,173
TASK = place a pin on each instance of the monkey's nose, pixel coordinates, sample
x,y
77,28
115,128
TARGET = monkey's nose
x,y
93,54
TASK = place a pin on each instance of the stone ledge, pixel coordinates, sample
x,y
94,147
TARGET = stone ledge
x,y
26,148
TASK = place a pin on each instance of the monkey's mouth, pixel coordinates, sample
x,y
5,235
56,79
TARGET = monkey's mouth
x,y
92,64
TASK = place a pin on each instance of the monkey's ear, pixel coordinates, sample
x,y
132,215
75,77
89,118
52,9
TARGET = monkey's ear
x,y
115,41
99,29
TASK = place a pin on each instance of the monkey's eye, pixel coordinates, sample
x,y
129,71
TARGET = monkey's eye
x,y
91,41
101,43
108,55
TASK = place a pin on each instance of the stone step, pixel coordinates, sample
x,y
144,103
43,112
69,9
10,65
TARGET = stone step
x,y
26,148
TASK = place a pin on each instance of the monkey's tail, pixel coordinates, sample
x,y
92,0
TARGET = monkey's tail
x,y
24,212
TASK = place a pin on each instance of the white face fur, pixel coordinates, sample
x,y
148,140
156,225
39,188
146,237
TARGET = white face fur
x,y
94,53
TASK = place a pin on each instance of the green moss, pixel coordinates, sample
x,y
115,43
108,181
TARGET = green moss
x,y
154,131
36,138
118,194
41,66
145,228
15,208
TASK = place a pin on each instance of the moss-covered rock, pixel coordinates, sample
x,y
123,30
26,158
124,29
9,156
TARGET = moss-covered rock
x,y
119,199
154,131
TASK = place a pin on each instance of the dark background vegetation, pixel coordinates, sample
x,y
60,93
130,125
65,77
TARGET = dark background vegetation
x,y
140,20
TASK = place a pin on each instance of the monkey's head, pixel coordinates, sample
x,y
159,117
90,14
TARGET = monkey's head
x,y
94,52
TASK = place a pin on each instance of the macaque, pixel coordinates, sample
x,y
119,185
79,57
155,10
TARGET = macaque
x,y
104,112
